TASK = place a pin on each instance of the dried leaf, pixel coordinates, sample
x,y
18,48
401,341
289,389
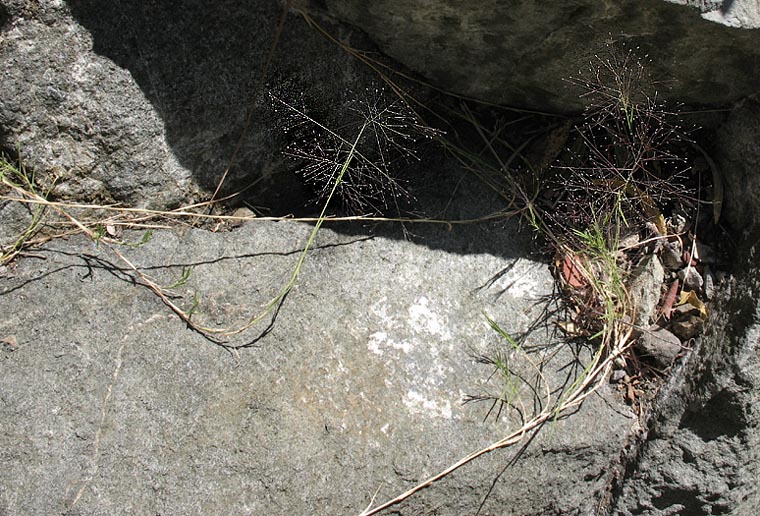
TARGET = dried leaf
x,y
660,224
571,272
670,299
570,329
692,299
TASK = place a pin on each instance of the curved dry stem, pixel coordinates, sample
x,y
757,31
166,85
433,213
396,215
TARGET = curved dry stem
x,y
138,217
143,214
590,383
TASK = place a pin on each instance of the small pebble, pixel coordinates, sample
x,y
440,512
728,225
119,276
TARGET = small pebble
x,y
691,279
617,376
660,345
241,212
678,223
629,241
685,309
671,255
687,326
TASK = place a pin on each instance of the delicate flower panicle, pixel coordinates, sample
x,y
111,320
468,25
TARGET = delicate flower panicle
x,y
389,131
631,147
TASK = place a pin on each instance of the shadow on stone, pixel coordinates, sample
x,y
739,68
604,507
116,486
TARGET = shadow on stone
x,y
720,416
199,65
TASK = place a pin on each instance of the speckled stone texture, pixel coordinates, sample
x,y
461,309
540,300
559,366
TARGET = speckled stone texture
x,y
110,405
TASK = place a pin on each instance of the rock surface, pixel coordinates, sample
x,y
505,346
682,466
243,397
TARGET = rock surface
x,y
110,405
737,152
79,119
521,53
700,455
145,103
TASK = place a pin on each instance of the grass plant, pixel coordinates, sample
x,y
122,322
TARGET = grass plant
x,y
370,184
15,177
610,177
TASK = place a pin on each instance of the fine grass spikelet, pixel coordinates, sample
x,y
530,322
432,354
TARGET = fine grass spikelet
x,y
319,146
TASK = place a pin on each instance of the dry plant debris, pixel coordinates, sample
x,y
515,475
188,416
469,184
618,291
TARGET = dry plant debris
x,y
627,211
621,187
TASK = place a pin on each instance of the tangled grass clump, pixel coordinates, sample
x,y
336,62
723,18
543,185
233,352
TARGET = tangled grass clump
x,y
596,195
14,177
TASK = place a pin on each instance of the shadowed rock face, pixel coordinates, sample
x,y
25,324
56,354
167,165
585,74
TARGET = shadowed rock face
x,y
700,455
738,152
146,102
520,53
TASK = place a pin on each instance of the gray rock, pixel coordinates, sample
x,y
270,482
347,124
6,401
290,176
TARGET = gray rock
x,y
671,255
741,14
644,290
691,279
16,219
709,286
678,223
617,376
521,53
79,119
145,104
112,406
659,345
686,323
699,454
